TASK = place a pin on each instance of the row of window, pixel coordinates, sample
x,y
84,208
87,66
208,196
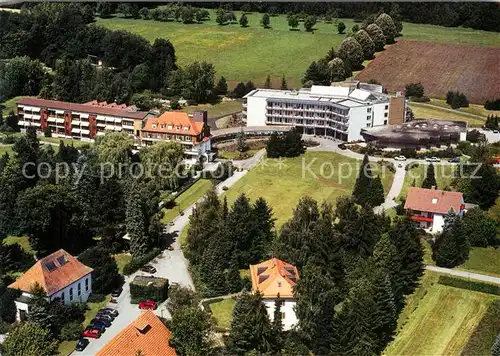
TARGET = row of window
x,y
79,288
167,136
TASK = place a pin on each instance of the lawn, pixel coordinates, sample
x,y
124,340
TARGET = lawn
x,y
444,176
251,53
484,260
438,320
186,199
223,312
283,182
67,141
472,109
216,110
121,260
423,111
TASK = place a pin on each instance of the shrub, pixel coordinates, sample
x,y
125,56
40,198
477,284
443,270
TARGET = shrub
x,y
96,298
145,288
475,136
411,166
492,104
71,331
414,90
137,263
456,99
469,285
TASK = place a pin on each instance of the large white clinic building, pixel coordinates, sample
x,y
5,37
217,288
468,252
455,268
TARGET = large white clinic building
x,y
339,111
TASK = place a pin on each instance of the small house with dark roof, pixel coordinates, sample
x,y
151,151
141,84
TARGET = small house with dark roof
x,y
275,280
60,275
428,207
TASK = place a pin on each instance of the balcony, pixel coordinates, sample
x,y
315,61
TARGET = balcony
x,y
421,218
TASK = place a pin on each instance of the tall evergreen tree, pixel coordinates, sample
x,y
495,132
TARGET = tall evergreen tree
x,y
274,146
221,87
480,229
385,318
484,188
363,233
233,279
250,326
241,223
284,85
277,324
241,142
430,179
267,84
264,233
139,244
451,247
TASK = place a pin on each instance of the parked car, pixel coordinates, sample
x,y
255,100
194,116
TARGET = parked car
x,y
92,332
342,146
81,344
148,269
495,131
148,305
432,159
104,315
100,326
400,158
116,292
113,312
454,160
101,320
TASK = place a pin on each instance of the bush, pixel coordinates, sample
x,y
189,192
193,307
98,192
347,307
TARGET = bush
x,y
96,298
414,90
469,285
423,99
492,104
137,263
145,288
475,136
411,166
71,331
456,99
4,327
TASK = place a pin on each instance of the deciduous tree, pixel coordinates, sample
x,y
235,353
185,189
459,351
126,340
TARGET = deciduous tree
x,y
191,332
341,28
386,24
243,20
351,51
366,43
377,36
266,21
29,339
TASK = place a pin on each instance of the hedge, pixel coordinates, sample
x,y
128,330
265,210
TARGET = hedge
x,y
470,285
156,290
137,263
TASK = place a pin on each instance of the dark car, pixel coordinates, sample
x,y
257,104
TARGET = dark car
x,y
81,344
148,269
116,292
104,316
101,321
113,312
342,146
98,326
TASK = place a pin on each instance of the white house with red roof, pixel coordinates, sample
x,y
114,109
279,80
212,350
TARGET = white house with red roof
x,y
428,207
275,280
60,275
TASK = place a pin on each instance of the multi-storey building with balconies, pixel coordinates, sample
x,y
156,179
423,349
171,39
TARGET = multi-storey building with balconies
x,y
336,111
193,133
78,121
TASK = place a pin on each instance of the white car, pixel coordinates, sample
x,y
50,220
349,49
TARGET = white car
x,y
400,158
432,159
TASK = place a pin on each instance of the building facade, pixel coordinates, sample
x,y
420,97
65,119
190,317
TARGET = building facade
x,y
60,275
78,121
275,279
193,133
428,207
340,111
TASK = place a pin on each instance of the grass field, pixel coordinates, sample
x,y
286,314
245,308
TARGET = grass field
x,y
11,104
283,182
484,260
223,312
242,54
438,320
444,175
472,109
186,199
215,110
423,111
121,260
22,241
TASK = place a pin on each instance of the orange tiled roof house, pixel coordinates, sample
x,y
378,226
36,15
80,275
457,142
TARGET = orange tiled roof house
x,y
60,275
275,279
428,207
193,133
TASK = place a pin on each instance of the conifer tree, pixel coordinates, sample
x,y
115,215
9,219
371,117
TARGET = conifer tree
x,y
377,192
274,146
284,85
221,87
451,247
384,255
241,223
363,233
430,179
243,20
241,142
385,318
363,182
139,244
277,324
267,84
233,279
263,234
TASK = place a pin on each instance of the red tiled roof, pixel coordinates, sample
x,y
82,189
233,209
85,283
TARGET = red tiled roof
x,y
433,200
90,109
146,334
53,273
274,277
174,119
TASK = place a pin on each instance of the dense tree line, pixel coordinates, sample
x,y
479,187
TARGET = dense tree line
x,y
289,144
492,104
456,100
485,16
222,240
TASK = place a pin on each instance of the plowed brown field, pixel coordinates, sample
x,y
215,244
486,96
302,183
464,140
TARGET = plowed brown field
x,y
473,70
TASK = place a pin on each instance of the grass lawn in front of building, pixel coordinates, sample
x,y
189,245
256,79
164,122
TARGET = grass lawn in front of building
x,y
186,199
438,319
223,312
121,260
216,110
282,182
444,176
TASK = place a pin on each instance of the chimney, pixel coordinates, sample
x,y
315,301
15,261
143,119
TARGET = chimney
x,y
433,187
201,116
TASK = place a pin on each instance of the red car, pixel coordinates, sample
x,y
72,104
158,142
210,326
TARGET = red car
x,y
91,333
148,305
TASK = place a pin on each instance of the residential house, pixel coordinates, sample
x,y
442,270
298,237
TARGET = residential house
x,y
146,335
60,275
193,133
275,280
428,207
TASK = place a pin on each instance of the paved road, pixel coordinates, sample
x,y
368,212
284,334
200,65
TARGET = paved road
x,y
464,274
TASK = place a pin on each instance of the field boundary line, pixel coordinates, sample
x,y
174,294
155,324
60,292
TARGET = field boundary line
x,y
464,274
